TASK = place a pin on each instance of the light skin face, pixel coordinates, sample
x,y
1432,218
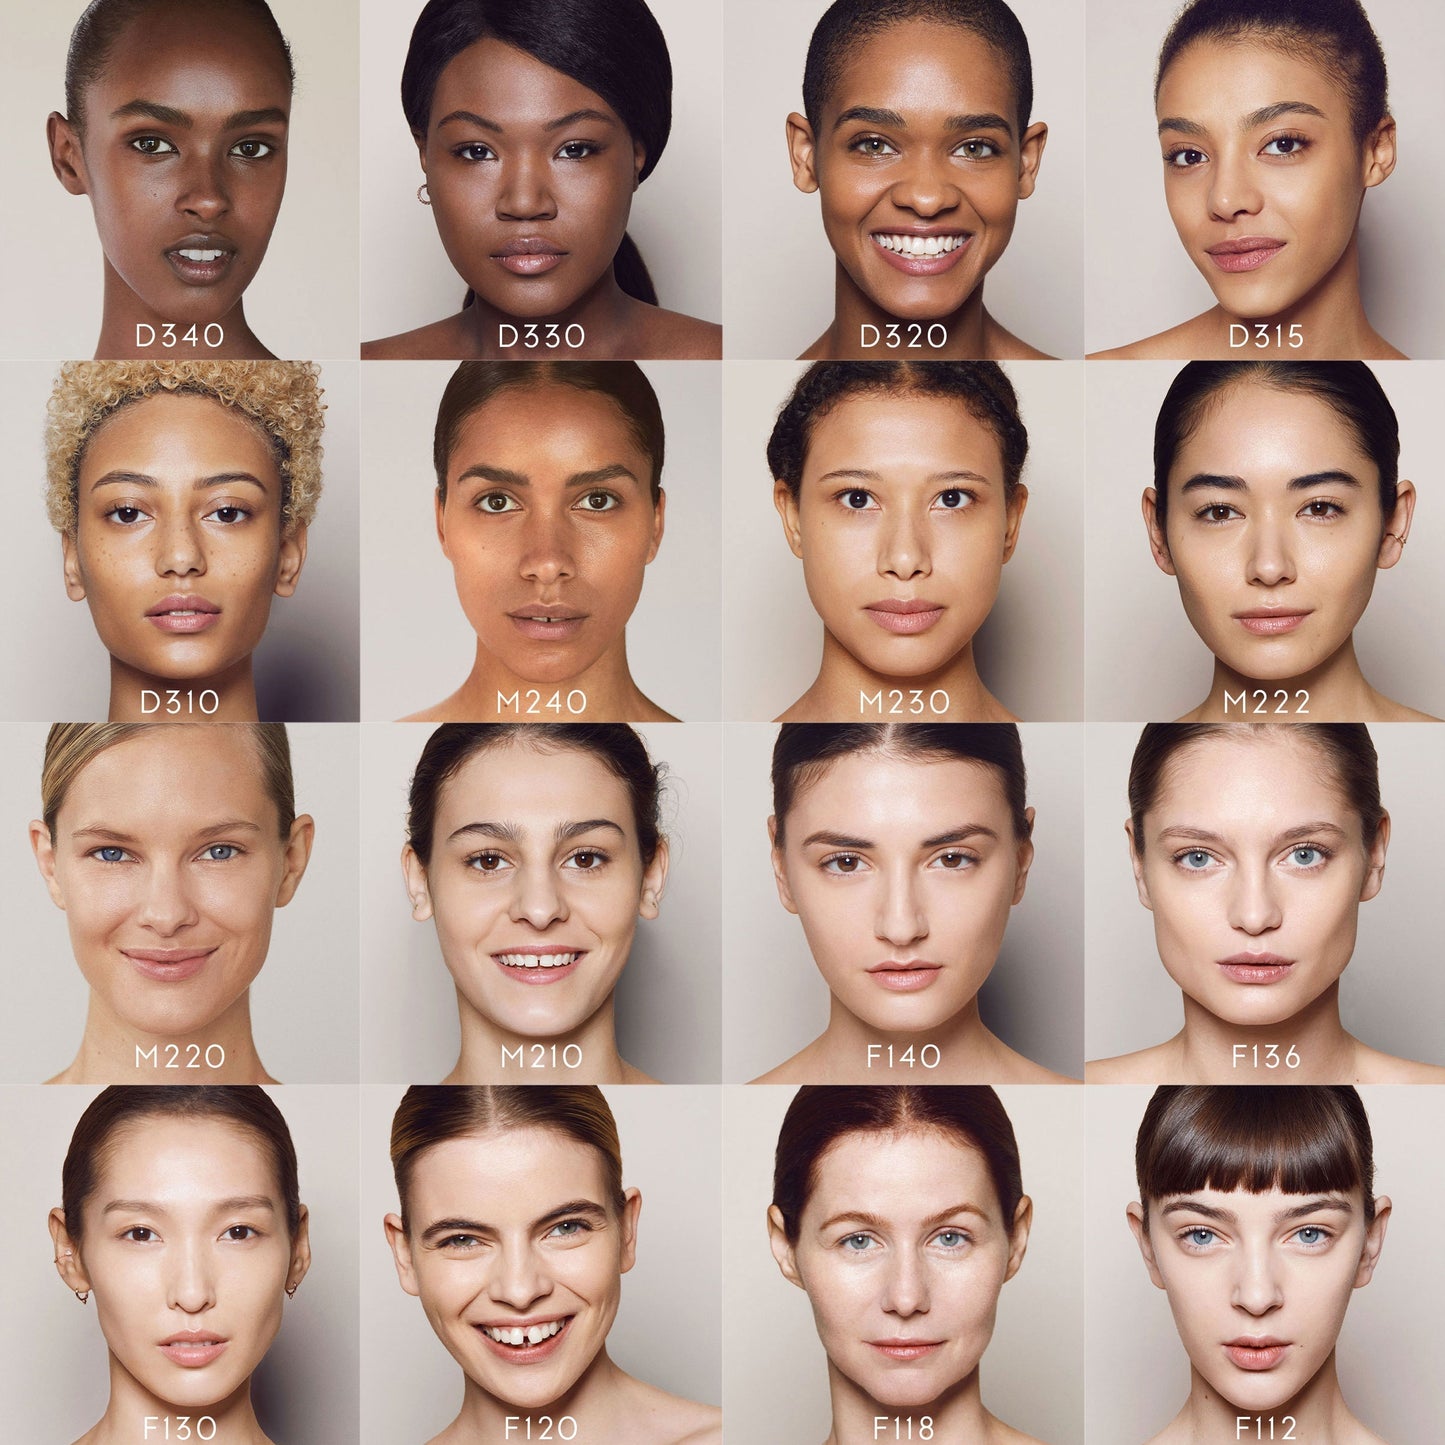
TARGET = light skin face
x,y
513,1229
535,856
519,153
918,138
898,861
901,502
185,1232
179,519
183,147
1251,851
1274,530
902,1240
548,524
169,867
1248,1269
1258,145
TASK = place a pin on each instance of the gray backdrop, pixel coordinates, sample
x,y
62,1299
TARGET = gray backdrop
x,y
303,1002
774,998
667,1000
52,1354
1029,652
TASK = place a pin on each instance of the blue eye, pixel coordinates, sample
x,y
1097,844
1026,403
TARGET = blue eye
x,y
952,1238
1199,1237
1317,1235
111,854
1307,856
857,1243
1195,859
570,1229
222,852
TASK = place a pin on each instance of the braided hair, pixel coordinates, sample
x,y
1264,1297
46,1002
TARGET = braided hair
x,y
981,386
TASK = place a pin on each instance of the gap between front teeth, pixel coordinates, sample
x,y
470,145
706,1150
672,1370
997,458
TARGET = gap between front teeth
x,y
532,1335
537,960
919,245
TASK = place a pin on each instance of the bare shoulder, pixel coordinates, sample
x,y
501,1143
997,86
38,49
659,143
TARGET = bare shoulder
x,y
648,711
1002,1434
1146,1066
1392,711
1014,1068
796,1070
439,341
442,712
1374,1067
631,1074
1003,345
657,1418
1179,343
671,335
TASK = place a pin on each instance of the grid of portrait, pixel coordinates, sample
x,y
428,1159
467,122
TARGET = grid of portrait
x,y
609,675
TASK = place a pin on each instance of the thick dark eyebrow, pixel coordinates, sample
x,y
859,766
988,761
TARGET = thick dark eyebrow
x,y
860,474
613,471
982,120
1203,835
507,832
1227,1216
837,840
573,117
876,115
960,835
1254,119
139,479
953,835
221,1206
566,831
1203,480
471,118
169,115
587,1208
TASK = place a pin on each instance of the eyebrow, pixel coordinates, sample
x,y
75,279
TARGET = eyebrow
x,y
200,484
877,1221
221,1206
1228,1216
953,835
226,825
1254,119
612,472
875,115
573,117
1203,835
169,115
513,832
588,1208
861,474
1218,482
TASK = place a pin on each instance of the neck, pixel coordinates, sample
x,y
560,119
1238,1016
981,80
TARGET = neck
x,y
844,686
602,313
851,1050
968,330
131,1406
957,1415
113,1052
1320,1414
1310,1048
491,1054
1335,691
127,323
593,1402
137,696
607,692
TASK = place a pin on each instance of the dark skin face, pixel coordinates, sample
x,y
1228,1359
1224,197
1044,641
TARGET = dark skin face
x,y
181,147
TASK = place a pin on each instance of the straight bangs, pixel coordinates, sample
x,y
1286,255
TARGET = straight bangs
x,y
1295,1138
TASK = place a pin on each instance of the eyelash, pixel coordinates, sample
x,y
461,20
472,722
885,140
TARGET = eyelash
x,y
1325,855
966,860
251,1233
861,143
614,500
243,514
234,851
969,499
601,854
589,148
268,148
1202,514
963,1236
1193,1246
1301,143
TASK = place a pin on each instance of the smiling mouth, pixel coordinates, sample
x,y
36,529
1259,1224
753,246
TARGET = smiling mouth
x,y
526,1344
200,264
921,255
539,965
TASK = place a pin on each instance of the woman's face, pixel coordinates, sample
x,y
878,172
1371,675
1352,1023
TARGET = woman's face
x,y
903,1250
167,863
1275,531
918,165
530,176
183,155
536,884
517,1251
186,1249
903,528
903,872
1254,867
1262,172
1259,1283
178,546
548,524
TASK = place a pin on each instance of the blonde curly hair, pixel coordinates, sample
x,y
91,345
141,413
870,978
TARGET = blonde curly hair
x,y
283,397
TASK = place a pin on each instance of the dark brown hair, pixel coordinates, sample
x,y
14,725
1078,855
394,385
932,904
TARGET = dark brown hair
x,y
615,745
430,1114
803,752
822,1114
1298,1138
1346,749
245,1107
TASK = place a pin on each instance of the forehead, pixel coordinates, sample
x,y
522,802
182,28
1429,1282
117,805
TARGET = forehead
x,y
911,797
513,782
922,68
179,1161
1225,79
887,432
506,85
505,1175
178,435
902,1175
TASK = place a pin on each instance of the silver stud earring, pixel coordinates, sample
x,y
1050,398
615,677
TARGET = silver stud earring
x,y
423,195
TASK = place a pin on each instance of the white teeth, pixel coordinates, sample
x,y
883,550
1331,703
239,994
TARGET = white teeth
x,y
537,960
531,1335
919,245
191,255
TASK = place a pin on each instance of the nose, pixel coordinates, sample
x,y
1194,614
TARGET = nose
x,y
165,908
179,552
901,919
547,548
537,898
526,190
203,192
903,547
906,1288
1232,189
1257,1287
1253,906
1271,558
518,1280
190,1286
928,186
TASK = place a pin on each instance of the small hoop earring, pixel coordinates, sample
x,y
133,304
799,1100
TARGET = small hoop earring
x,y
83,1298
423,195
1401,540
291,1290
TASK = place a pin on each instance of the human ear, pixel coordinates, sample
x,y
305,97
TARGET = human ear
x,y
67,159
1397,526
782,1250
1380,152
1135,1213
659,517
298,854
1019,1236
801,153
416,885
631,1212
441,522
654,880
70,568
639,159
1014,514
1031,154
1136,857
67,1255
1158,543
44,850
300,1252
780,870
1025,859
1374,1242
291,561
1375,861
401,1253
786,502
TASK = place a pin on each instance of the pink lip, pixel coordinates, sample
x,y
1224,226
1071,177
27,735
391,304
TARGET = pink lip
x,y
906,976
906,618
530,256
1262,1354
192,1349
201,273
183,612
1247,253
1256,967
525,1354
1270,622
169,965
922,265
539,976
564,624
905,1350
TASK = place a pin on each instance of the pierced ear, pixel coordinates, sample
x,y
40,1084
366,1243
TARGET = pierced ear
x,y
417,888
291,561
1025,859
1136,857
659,518
44,851
1015,516
1019,1236
1158,542
67,159
631,1213
440,508
300,1253
1374,1242
401,1253
1380,152
801,153
1375,861
1135,1213
1397,526
70,567
68,1263
298,855
1031,155
787,508
780,871
783,1252
654,881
